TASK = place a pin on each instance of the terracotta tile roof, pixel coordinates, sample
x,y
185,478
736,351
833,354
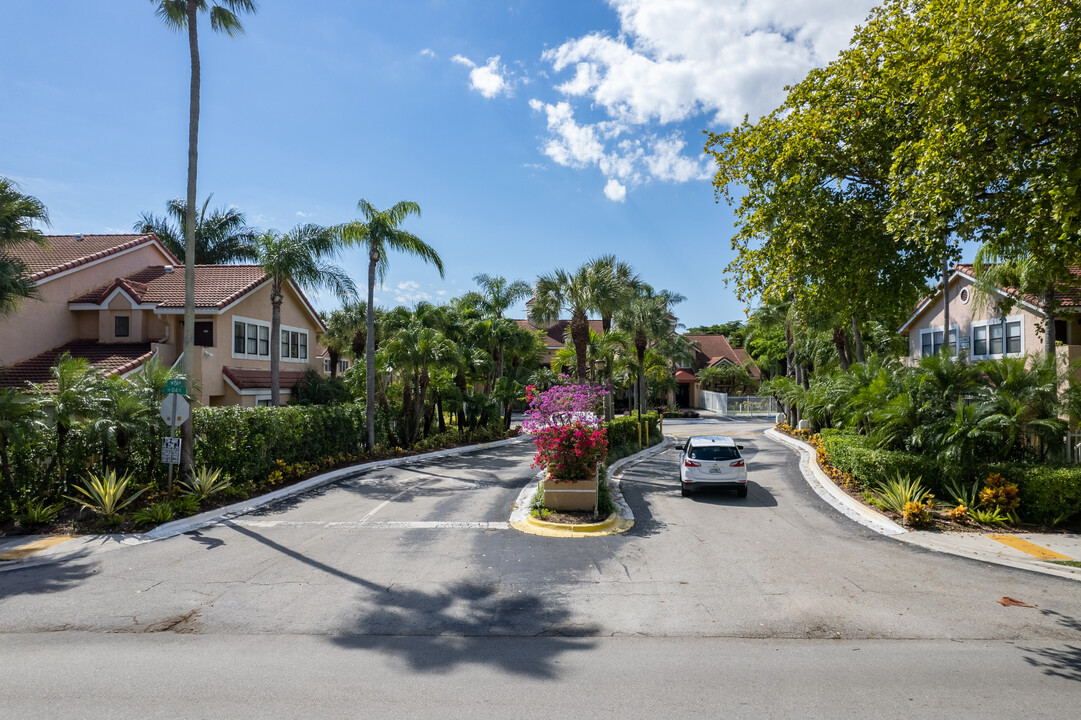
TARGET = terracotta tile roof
x,y
215,286
685,376
1065,296
109,358
248,379
64,252
553,336
743,357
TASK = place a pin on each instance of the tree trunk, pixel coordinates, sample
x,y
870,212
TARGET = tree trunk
x,y
334,357
188,366
857,341
407,413
640,348
5,469
580,337
275,342
439,409
946,294
840,342
369,348
422,392
1049,333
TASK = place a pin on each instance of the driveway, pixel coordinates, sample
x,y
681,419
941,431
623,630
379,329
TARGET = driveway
x,y
406,586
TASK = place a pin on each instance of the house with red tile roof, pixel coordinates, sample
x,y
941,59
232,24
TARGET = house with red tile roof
x,y
118,300
978,331
710,351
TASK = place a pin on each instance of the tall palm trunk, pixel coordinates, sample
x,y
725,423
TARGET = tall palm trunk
x,y
640,349
840,341
946,294
1049,332
857,341
188,366
369,348
275,342
580,336
334,357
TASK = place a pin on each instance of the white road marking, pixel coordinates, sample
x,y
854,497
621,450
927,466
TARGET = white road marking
x,y
392,524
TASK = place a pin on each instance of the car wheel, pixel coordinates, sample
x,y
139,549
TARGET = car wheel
x,y
741,491
683,489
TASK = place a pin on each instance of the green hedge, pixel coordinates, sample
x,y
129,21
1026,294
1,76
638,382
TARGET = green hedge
x,y
856,454
624,430
1049,493
246,442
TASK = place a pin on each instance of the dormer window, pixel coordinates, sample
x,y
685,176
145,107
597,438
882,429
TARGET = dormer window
x,y
122,326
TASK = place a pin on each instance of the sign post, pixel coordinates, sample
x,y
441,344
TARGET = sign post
x,y
174,411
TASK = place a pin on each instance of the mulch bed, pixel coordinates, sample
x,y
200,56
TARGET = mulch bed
x,y
572,517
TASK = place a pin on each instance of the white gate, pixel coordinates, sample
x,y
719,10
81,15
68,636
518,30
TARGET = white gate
x,y
714,401
751,405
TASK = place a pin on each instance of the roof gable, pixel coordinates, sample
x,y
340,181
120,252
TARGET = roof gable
x,y
62,253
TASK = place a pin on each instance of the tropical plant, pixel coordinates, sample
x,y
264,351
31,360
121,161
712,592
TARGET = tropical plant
x,y
999,494
123,416
181,15
610,297
21,418
900,491
963,495
79,397
156,514
338,339
987,516
104,494
38,511
220,238
578,293
497,293
645,319
299,256
204,482
18,214
380,233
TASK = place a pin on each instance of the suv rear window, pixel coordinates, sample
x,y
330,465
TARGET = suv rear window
x,y
713,452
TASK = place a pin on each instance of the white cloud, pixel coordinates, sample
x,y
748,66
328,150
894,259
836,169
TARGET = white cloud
x,y
614,191
409,292
300,214
428,52
674,61
490,79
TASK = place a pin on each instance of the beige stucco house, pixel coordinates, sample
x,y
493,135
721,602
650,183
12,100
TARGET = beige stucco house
x,y
979,332
118,300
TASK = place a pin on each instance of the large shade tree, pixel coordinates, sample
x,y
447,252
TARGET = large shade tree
x,y
18,215
380,232
303,255
221,237
180,15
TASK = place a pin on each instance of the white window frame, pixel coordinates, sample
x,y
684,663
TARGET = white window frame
x,y
955,329
343,365
1003,322
307,345
326,365
232,338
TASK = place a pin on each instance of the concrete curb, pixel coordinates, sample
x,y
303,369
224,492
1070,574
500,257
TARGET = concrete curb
x,y
828,490
521,520
973,546
104,543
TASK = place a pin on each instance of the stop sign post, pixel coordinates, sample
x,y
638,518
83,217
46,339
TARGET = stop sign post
x,y
175,410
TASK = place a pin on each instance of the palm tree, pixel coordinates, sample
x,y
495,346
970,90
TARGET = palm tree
x,y
611,297
180,15
338,339
576,292
20,417
646,319
220,238
123,417
379,233
79,397
300,256
497,294
18,213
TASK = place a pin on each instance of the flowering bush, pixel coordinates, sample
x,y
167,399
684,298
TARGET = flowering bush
x,y
570,452
563,404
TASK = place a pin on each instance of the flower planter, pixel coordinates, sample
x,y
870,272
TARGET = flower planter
x,y
570,494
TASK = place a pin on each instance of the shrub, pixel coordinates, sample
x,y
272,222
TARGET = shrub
x,y
624,430
570,452
870,466
918,514
156,514
205,482
104,494
37,512
1050,494
999,494
902,491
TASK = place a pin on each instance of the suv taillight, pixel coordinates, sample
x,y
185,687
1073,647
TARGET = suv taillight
x,y
691,463
737,463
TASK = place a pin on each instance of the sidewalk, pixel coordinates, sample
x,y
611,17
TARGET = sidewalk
x,y
1026,551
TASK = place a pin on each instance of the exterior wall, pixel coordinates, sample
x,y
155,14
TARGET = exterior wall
x,y
47,322
962,317
210,361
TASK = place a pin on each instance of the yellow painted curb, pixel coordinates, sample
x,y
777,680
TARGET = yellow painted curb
x,y
613,525
1031,548
30,548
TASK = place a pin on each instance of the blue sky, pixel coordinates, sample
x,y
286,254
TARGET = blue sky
x,y
533,135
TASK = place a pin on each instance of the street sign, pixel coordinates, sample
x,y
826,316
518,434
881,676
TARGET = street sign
x,y
175,410
170,450
175,387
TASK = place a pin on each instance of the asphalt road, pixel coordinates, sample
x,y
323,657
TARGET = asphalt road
x,y
401,592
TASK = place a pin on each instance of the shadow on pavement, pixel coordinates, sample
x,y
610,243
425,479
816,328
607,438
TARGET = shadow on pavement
x,y
210,542
438,630
435,631
1064,662
757,496
42,579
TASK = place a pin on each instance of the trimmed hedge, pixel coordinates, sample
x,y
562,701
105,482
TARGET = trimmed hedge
x,y
856,454
246,442
1050,494
624,430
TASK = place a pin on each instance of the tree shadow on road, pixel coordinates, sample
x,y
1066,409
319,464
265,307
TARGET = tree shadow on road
x,y
1064,662
43,579
455,625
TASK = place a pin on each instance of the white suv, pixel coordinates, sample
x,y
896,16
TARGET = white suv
x,y
712,461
